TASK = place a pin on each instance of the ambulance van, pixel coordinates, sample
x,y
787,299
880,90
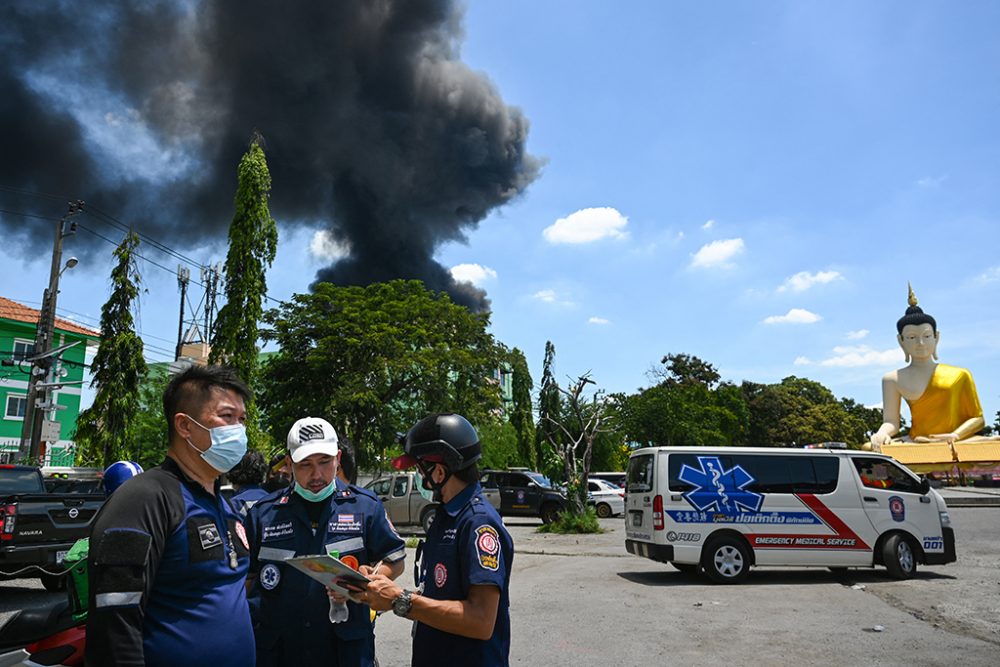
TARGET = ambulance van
x,y
721,510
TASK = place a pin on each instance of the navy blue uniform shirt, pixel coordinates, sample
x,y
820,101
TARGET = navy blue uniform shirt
x,y
467,545
247,498
291,610
167,567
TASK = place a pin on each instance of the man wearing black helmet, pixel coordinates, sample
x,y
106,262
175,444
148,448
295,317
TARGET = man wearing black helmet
x,y
462,607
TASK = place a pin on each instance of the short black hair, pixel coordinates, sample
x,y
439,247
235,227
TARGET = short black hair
x,y
193,388
348,461
915,315
468,475
251,470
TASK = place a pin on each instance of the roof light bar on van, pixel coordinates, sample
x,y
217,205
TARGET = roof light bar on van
x,y
658,513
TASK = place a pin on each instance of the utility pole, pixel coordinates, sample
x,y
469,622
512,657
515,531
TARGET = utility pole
x,y
42,362
183,277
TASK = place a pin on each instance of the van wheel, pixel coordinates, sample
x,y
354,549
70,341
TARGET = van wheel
x,y
53,582
898,556
427,519
726,560
604,510
549,513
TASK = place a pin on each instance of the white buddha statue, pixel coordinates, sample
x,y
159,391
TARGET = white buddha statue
x,y
944,405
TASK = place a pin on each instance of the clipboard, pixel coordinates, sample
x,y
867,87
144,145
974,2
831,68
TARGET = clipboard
x,y
330,571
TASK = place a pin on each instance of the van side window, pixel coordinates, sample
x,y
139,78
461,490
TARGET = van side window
x,y
400,486
640,474
381,488
882,474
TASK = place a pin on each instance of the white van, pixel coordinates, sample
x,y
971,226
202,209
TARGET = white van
x,y
720,510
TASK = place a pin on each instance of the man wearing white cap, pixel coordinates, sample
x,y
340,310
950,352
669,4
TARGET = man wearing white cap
x,y
317,514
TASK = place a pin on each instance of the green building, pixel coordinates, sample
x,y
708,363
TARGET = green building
x,y
17,341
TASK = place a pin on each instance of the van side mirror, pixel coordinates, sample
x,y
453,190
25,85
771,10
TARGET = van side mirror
x,y
925,485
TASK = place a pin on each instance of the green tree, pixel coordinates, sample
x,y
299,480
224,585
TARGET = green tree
x,y
104,431
373,360
253,242
685,369
149,426
573,435
549,409
521,413
499,439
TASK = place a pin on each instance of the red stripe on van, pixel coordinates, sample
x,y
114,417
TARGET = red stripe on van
x,y
843,537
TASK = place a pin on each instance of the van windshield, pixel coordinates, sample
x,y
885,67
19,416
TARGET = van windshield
x,y
640,474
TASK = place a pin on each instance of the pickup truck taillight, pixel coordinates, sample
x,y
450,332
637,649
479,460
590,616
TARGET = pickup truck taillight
x,y
8,517
658,513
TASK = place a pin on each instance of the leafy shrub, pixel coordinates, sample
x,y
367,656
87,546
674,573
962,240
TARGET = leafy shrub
x,y
569,523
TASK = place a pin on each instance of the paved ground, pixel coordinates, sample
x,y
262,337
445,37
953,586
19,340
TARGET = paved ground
x,y
582,600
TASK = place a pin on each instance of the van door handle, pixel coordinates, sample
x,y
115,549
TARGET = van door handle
x,y
869,499
924,499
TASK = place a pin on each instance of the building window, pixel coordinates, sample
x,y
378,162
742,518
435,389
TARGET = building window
x,y
16,404
23,349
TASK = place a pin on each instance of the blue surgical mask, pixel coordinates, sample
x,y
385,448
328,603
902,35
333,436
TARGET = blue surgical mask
x,y
229,444
316,496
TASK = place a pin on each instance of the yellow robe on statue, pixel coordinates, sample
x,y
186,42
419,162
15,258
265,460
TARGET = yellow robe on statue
x,y
949,400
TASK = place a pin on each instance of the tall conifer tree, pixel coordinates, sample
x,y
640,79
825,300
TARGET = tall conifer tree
x,y
253,242
104,430
521,414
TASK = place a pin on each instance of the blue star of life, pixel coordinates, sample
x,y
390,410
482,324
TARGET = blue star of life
x,y
719,490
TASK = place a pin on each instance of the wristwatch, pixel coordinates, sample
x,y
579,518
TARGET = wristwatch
x,y
403,603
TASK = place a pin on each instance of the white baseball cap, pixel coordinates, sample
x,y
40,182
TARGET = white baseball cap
x,y
311,435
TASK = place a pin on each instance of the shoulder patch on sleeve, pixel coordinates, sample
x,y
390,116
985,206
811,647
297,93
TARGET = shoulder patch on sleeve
x,y
488,548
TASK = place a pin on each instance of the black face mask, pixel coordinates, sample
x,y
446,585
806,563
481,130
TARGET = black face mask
x,y
429,484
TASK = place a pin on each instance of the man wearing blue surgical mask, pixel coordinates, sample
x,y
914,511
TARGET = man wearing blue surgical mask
x,y
168,555
295,623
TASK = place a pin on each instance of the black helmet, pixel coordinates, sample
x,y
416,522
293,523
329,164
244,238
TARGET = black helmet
x,y
443,438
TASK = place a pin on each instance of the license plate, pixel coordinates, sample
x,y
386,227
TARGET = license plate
x,y
636,519
61,556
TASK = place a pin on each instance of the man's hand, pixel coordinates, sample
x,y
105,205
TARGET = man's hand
x,y
380,593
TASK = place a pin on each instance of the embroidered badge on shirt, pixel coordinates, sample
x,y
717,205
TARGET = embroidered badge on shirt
x,y
209,536
440,575
241,533
488,547
270,576
277,531
347,523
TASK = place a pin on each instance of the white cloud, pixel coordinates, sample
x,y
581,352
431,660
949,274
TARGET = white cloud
x,y
803,280
598,320
852,356
324,246
990,275
550,296
794,316
473,273
587,225
717,254
932,182
708,225
802,361
858,335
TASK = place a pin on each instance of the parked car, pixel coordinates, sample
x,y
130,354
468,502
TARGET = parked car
x,y
616,478
525,493
408,504
37,528
607,499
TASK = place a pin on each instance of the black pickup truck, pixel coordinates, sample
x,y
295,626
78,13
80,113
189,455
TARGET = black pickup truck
x,y
525,493
37,528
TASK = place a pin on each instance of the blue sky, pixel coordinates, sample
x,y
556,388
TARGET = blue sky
x,y
753,183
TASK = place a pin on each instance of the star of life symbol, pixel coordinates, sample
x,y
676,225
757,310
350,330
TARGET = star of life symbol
x,y
270,575
719,490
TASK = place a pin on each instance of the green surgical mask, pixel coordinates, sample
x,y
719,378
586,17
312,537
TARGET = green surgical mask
x,y
316,496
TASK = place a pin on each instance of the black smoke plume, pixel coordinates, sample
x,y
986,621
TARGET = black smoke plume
x,y
374,128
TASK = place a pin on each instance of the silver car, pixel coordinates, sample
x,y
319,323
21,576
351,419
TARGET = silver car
x,y
408,503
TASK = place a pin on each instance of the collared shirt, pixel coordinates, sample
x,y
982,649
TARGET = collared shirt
x,y
466,546
168,562
291,610
247,498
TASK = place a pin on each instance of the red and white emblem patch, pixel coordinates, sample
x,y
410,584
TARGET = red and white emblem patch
x,y
241,533
488,547
440,575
